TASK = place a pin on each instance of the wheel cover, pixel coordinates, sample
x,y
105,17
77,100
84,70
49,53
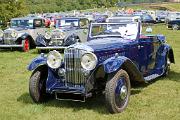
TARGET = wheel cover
x,y
175,27
121,92
26,45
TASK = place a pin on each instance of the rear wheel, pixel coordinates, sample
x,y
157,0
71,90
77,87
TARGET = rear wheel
x,y
167,66
175,27
117,92
37,86
26,45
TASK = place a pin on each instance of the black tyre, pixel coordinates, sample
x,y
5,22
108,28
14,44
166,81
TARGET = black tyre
x,y
167,66
117,92
37,85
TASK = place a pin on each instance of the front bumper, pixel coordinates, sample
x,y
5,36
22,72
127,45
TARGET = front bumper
x,y
51,48
10,46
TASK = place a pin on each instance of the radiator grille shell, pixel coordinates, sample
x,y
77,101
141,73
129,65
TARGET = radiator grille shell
x,y
74,72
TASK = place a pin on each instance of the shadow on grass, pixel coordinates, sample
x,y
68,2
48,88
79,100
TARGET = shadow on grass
x,y
95,103
174,76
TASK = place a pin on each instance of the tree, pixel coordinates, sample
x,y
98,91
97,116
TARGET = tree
x,y
11,8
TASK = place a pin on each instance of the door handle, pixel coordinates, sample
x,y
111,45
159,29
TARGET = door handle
x,y
139,46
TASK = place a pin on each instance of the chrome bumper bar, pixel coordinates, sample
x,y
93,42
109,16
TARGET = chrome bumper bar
x,y
50,48
10,46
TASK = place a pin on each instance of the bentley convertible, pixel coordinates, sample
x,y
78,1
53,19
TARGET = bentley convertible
x,y
115,56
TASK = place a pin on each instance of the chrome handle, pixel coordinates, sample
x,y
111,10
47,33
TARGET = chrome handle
x,y
139,46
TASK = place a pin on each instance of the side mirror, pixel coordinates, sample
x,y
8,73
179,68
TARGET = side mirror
x,y
149,30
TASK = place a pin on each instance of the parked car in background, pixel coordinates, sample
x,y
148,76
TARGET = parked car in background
x,y
125,18
22,33
100,18
174,24
115,56
69,30
161,15
146,18
172,16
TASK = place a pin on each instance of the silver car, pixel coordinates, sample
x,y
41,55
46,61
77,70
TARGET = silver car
x,y
69,30
22,33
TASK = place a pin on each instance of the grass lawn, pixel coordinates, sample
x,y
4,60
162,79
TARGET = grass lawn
x,y
159,100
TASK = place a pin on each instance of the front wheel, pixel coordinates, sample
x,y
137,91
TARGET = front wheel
x,y
117,92
37,86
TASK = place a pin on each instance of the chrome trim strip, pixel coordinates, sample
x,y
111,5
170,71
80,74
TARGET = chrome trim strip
x,y
53,47
10,46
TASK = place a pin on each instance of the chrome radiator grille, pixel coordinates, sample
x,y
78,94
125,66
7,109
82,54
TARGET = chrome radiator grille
x,y
55,40
74,75
7,35
8,39
9,42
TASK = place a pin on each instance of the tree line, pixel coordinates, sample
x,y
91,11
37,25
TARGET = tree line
x,y
16,8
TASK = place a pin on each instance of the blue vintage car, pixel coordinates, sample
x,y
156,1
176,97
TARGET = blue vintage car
x,y
115,56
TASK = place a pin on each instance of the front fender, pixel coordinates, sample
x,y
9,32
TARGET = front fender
x,y
38,61
114,63
24,36
40,40
70,39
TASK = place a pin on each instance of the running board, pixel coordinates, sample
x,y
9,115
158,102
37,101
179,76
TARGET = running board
x,y
151,77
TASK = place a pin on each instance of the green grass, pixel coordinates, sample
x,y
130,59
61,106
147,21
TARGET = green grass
x,y
159,100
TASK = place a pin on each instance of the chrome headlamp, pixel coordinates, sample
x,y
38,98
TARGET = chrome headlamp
x,y
89,61
1,33
54,59
48,35
14,34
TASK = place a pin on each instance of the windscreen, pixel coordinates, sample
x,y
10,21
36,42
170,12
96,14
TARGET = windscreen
x,y
20,23
128,31
68,22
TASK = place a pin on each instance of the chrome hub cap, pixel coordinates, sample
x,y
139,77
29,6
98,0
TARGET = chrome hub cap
x,y
123,92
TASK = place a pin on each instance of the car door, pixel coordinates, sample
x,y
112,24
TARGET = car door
x,y
148,46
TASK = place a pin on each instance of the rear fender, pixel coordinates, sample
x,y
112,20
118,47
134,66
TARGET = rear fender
x,y
163,52
171,55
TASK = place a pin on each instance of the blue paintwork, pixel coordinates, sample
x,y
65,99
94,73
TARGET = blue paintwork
x,y
119,85
146,52
38,61
113,64
40,40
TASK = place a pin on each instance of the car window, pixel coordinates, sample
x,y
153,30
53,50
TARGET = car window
x,y
38,23
84,23
19,23
128,31
67,22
